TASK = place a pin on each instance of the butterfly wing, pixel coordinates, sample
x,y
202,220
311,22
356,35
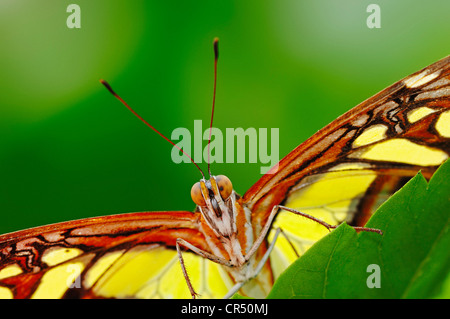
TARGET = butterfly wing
x,y
344,171
118,256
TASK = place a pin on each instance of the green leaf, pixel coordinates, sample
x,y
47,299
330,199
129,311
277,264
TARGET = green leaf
x,y
411,258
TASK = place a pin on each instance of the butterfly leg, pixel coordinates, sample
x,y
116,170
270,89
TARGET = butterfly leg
x,y
263,233
274,212
185,274
326,225
199,252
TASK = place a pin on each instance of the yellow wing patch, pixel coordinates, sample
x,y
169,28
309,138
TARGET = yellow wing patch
x,y
404,151
419,113
56,255
9,271
100,267
6,293
372,134
443,124
131,270
57,280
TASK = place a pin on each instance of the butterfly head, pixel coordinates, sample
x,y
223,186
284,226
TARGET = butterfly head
x,y
215,199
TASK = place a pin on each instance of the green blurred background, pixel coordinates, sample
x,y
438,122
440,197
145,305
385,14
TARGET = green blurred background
x,y
69,150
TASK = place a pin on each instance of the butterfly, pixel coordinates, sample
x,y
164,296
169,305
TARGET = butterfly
x,y
232,243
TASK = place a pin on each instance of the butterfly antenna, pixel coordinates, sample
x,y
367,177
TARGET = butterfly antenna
x,y
216,57
106,84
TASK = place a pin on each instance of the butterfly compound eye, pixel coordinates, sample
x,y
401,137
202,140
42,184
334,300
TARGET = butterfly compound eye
x,y
224,185
196,194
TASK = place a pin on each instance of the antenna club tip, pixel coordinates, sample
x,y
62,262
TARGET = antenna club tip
x,y
216,47
106,84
